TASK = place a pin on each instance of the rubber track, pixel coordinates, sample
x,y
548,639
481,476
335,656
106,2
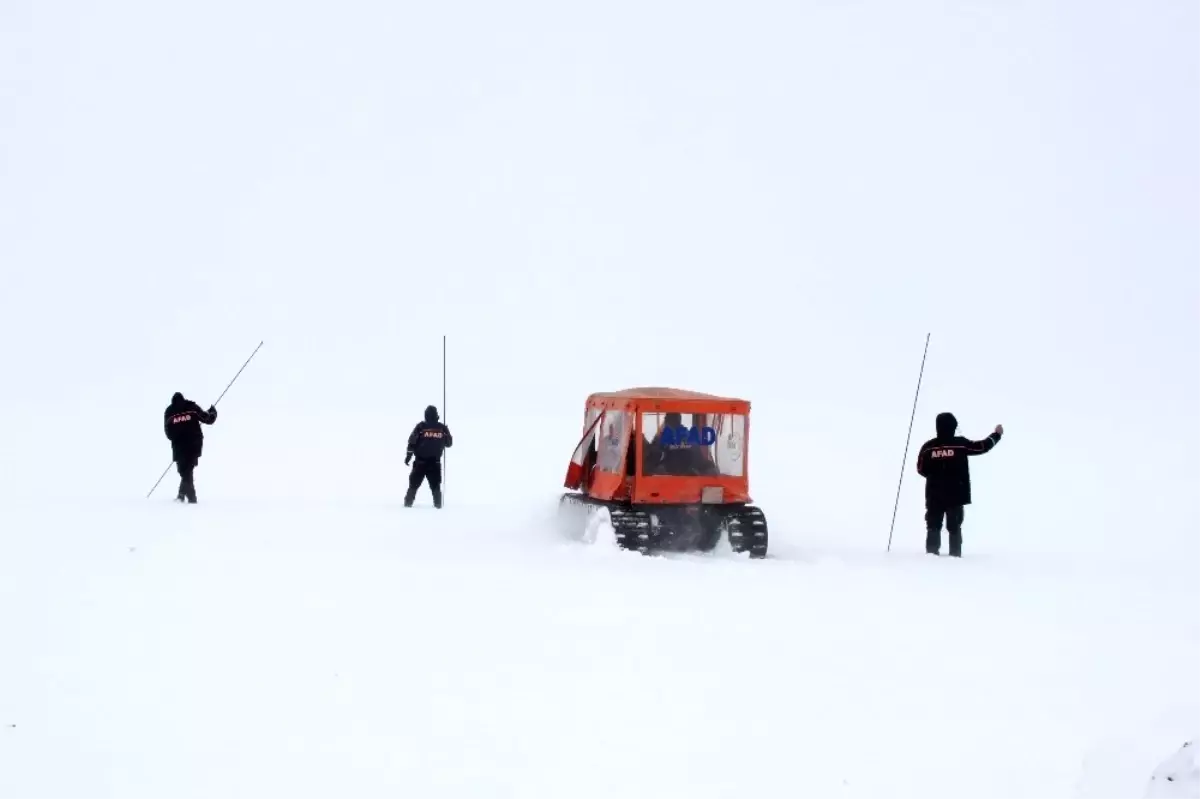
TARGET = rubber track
x,y
632,529
747,529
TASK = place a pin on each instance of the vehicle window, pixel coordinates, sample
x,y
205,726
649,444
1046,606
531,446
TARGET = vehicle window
x,y
729,451
682,444
613,431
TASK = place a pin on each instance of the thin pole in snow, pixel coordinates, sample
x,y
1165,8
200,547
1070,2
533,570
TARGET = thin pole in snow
x,y
904,462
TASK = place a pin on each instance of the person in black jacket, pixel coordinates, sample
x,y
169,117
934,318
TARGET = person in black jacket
x,y
181,423
942,461
426,443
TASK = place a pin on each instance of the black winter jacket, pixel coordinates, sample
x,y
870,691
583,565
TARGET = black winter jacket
x,y
942,461
181,423
429,438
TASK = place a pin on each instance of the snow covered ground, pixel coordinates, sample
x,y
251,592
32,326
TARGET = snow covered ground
x,y
321,649
771,200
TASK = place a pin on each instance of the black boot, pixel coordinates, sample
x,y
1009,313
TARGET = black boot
x,y
933,529
188,489
187,481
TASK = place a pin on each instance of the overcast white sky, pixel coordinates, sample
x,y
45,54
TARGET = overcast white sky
x,y
774,200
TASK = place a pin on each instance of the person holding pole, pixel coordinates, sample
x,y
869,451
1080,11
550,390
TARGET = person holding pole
x,y
181,423
942,461
178,401
428,440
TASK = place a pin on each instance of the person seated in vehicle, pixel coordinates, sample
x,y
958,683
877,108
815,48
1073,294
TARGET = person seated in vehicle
x,y
673,420
678,457
653,453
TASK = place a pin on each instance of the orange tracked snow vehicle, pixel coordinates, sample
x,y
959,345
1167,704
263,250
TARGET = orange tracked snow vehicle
x,y
670,467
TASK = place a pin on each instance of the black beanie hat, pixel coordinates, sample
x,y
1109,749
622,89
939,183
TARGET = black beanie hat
x,y
946,424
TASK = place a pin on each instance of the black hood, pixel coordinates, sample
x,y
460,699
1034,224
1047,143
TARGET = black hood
x,y
946,425
431,414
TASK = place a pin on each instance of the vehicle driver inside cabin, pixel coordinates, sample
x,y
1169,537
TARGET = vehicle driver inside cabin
x,y
678,457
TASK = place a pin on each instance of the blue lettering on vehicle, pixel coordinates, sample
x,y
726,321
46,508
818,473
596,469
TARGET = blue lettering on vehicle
x,y
688,436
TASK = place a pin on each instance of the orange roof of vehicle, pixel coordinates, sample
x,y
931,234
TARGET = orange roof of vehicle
x,y
660,392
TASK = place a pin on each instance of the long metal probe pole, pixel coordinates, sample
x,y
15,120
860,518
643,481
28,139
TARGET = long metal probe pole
x,y
904,462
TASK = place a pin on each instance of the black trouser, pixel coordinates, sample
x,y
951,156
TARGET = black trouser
x,y
187,483
953,514
422,471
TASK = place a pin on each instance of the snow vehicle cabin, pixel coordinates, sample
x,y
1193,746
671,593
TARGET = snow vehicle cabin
x,y
671,468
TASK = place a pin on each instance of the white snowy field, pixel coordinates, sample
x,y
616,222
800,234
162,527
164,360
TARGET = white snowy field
x,y
769,199
360,649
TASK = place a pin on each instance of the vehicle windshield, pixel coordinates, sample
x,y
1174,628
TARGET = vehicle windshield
x,y
683,445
